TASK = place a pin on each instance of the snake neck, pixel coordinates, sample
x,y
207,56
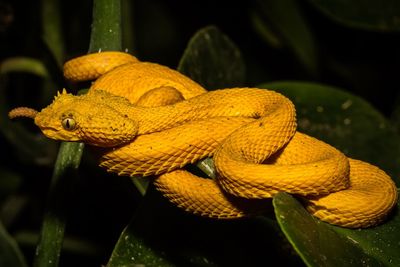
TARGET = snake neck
x,y
155,119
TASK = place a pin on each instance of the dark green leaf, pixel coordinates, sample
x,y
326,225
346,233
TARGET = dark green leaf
x,y
285,19
213,60
24,64
131,250
10,254
320,244
163,235
395,116
71,244
9,182
371,15
382,242
144,241
12,204
264,29
354,126
345,121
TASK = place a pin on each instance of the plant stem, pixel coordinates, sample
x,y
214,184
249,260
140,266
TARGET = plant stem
x,y
69,156
128,37
52,232
51,25
106,26
106,35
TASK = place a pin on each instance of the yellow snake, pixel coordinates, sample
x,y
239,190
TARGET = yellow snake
x,y
155,121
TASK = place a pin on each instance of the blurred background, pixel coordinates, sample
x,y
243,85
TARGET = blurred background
x,y
353,45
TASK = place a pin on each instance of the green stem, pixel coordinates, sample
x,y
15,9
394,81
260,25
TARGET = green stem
x,y
51,25
141,184
52,232
106,35
10,252
106,26
128,37
53,226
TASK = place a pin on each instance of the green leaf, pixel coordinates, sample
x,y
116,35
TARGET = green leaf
x,y
141,242
11,204
10,254
370,15
345,121
9,182
71,244
382,242
264,30
354,126
213,60
24,64
395,115
161,234
132,250
320,244
281,21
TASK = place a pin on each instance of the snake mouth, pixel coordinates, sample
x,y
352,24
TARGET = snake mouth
x,y
58,134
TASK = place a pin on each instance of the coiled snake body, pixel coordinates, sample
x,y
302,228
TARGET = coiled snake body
x,y
156,120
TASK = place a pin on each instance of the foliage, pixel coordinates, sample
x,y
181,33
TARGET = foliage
x,y
337,61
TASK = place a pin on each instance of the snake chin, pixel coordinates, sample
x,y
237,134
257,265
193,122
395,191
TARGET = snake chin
x,y
59,134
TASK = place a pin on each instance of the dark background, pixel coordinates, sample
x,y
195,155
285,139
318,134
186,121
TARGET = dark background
x,y
363,61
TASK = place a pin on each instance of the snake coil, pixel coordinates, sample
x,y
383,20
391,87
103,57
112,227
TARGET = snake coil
x,y
155,120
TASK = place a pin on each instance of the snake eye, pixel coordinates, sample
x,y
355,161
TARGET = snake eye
x,y
68,124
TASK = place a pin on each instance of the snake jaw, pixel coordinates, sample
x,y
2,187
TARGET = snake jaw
x,y
55,134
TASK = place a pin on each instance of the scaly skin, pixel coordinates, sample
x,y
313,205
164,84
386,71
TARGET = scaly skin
x,y
157,120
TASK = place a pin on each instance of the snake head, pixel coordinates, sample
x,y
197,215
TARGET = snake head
x,y
95,119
